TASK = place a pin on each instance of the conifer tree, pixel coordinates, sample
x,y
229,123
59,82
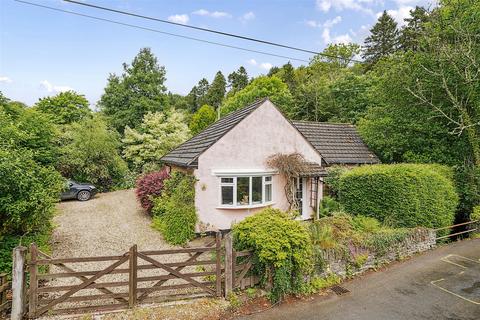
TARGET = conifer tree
x,y
383,39
216,92
412,32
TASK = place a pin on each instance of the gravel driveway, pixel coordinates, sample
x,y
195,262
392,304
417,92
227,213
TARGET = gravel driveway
x,y
109,224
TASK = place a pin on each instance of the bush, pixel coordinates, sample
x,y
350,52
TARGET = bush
x,y
332,180
282,248
28,192
149,186
9,242
476,214
174,211
328,206
90,153
402,195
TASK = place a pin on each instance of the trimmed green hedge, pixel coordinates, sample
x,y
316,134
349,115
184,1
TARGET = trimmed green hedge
x,y
401,195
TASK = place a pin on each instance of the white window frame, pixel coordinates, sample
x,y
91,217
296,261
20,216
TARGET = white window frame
x,y
235,205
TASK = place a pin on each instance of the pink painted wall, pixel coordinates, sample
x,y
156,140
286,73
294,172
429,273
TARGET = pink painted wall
x,y
247,146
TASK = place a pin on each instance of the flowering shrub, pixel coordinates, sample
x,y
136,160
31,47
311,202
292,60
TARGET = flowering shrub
x,y
150,185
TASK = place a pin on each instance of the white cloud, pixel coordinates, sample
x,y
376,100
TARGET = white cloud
x,y
326,36
253,62
248,16
399,15
327,24
53,88
266,65
343,38
179,18
330,23
340,5
213,14
5,79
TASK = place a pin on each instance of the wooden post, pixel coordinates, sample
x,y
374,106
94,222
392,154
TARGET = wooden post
x,y
228,264
33,294
218,267
18,281
132,280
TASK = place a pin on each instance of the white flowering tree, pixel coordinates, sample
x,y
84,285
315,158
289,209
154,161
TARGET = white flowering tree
x,y
158,134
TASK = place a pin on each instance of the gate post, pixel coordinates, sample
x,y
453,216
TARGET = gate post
x,y
228,264
218,267
18,283
33,294
132,281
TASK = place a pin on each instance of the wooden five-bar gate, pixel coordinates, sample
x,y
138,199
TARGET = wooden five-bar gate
x,y
106,283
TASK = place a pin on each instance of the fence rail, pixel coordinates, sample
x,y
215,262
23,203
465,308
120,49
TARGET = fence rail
x,y
5,286
107,283
457,233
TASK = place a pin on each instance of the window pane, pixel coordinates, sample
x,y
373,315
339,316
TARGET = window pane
x,y
227,195
268,192
243,190
227,180
268,178
256,190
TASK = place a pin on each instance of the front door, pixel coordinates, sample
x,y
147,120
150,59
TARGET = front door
x,y
301,197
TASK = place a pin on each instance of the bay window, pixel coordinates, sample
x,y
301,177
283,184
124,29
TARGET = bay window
x,y
244,191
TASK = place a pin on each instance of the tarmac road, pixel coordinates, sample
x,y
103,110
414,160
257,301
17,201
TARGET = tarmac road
x,y
441,284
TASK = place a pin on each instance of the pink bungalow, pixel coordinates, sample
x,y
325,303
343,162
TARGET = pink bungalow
x,y
229,161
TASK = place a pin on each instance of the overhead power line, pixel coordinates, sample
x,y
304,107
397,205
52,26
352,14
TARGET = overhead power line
x,y
209,30
162,32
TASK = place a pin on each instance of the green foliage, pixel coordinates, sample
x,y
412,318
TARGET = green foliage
x,y
281,246
201,119
383,39
237,80
174,211
8,242
158,134
139,90
328,206
332,180
216,92
403,195
28,192
65,107
90,153
317,283
22,128
475,214
365,224
261,87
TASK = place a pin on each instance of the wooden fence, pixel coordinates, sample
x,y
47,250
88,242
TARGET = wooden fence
x,y
4,287
76,285
474,228
129,279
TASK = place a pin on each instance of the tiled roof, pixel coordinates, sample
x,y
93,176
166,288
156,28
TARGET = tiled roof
x,y
337,143
186,154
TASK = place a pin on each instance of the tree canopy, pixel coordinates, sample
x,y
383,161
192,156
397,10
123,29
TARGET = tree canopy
x,y
158,133
201,119
65,107
138,90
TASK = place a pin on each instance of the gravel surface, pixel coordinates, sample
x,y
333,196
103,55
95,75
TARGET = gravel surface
x,y
109,225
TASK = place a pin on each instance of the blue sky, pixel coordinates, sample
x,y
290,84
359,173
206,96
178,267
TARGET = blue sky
x,y
43,52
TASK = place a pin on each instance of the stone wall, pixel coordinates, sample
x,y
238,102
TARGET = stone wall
x,y
420,240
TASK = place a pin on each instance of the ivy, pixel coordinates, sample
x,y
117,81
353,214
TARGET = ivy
x,y
174,213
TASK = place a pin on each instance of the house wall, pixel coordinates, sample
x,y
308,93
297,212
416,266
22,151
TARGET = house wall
x,y
247,146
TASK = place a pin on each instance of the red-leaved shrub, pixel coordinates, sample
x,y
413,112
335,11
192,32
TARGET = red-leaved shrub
x,y
150,185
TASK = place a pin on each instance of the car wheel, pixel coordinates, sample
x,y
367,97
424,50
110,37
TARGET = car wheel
x,y
83,195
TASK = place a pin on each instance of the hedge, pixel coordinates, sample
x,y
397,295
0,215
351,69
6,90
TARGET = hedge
x,y
174,213
401,195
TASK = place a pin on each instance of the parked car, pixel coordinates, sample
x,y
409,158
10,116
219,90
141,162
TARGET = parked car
x,y
79,191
